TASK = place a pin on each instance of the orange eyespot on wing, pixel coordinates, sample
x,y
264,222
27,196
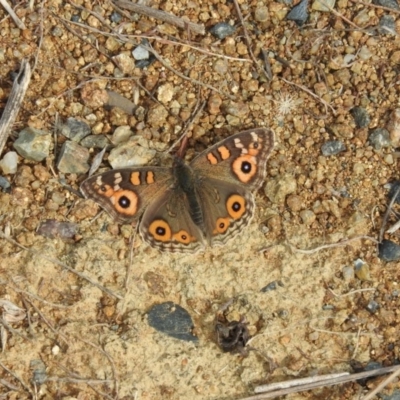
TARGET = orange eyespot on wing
x,y
160,230
105,190
125,201
221,226
245,168
183,237
236,206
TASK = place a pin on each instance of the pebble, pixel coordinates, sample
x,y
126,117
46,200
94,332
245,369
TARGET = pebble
x,y
389,251
361,117
372,307
140,53
222,30
5,184
271,286
125,63
116,17
53,229
75,129
332,148
387,25
172,320
145,63
33,144
165,93
278,188
307,217
393,187
95,142
213,104
121,134
379,138
348,273
323,5
73,158
262,14
130,154
387,3
157,115
362,272
393,126
294,202
9,163
299,13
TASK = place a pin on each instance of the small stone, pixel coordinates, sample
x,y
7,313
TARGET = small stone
x,y
387,3
73,159
55,350
362,18
222,30
57,229
172,320
145,63
130,154
5,184
393,187
277,189
116,17
75,129
165,93
379,138
362,271
261,14
33,144
125,63
299,13
387,25
361,117
121,134
294,202
140,53
157,115
9,163
323,5
214,104
372,307
95,142
332,148
271,286
308,217
393,126
348,273
389,251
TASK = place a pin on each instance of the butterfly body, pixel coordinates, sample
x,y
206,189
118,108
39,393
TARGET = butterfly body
x,y
189,206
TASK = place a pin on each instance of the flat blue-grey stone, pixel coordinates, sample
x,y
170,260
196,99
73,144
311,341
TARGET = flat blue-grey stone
x,y
389,251
33,144
172,320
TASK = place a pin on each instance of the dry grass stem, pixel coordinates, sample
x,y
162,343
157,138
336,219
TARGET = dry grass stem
x,y
344,242
162,15
386,215
12,14
14,102
382,385
63,265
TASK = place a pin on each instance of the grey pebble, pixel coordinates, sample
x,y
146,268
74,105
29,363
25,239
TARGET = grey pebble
x,y
379,138
299,13
73,158
95,142
361,117
372,307
116,17
389,251
140,53
172,320
75,129
271,286
33,144
332,148
4,184
387,3
387,25
145,63
222,30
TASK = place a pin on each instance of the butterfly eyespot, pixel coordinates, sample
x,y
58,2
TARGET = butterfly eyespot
x,y
245,167
160,230
221,226
125,202
236,206
183,237
255,145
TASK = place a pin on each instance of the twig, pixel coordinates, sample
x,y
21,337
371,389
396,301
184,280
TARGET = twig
x,y
14,16
311,94
161,15
387,212
325,382
14,102
344,242
375,391
61,264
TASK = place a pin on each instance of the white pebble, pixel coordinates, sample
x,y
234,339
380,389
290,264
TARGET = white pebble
x,y
9,163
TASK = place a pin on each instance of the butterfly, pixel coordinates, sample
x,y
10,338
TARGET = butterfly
x,y
187,207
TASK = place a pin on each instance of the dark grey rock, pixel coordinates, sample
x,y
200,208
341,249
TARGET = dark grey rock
x,y
387,25
173,320
332,148
372,307
145,63
33,144
379,138
222,30
387,3
73,158
299,13
361,117
75,129
389,251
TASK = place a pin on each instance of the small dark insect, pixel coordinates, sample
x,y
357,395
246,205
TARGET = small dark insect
x,y
233,336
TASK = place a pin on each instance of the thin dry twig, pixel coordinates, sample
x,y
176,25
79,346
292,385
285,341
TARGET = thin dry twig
x,y
61,264
344,242
382,385
14,102
387,212
14,16
162,15
325,382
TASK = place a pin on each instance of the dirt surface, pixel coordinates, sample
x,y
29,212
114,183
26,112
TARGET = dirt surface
x,y
78,341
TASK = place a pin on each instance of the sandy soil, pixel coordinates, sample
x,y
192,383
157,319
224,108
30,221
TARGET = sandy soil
x,y
79,342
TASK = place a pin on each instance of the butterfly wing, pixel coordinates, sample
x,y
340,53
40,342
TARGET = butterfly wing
x,y
227,174
126,193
